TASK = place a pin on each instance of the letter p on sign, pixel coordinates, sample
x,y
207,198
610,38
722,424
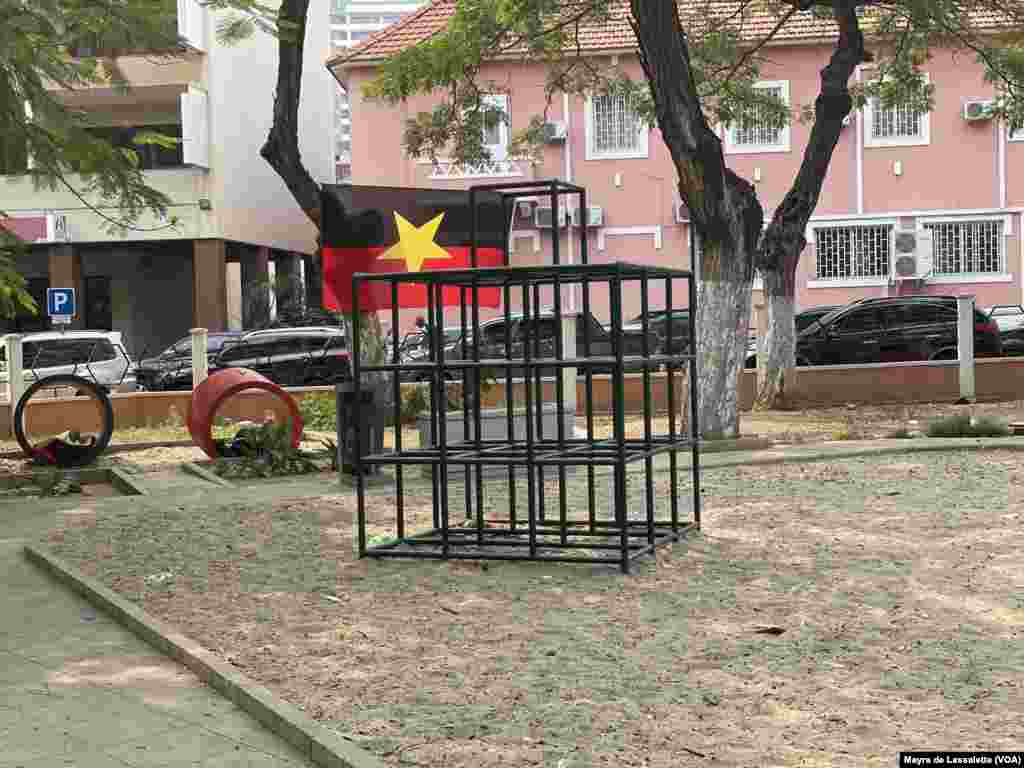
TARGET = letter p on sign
x,y
60,303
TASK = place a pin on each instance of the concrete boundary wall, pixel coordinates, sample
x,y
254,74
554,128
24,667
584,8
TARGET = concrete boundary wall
x,y
996,379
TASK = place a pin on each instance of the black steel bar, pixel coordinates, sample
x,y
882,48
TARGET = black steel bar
x,y
396,396
560,413
439,396
465,411
509,402
357,460
477,395
619,409
538,381
531,478
670,383
694,423
648,461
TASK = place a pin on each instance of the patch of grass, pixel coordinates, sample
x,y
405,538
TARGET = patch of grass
x,y
963,425
319,413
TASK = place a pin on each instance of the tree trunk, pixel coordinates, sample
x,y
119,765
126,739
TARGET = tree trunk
x,y
776,352
723,313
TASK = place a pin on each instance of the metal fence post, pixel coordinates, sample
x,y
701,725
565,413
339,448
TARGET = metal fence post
x,y
965,345
15,371
200,366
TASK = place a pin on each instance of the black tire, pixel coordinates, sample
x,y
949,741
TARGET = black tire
x,y
944,354
79,385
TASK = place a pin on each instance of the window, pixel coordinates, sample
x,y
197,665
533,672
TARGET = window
x,y
900,125
496,128
390,18
926,314
363,18
861,321
967,247
756,131
853,252
360,34
150,155
614,130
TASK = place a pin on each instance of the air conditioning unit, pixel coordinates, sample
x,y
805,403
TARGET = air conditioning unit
x,y
913,254
847,120
978,109
555,132
595,216
682,213
543,218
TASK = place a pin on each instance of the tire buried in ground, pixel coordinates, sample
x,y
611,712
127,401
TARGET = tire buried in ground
x,y
70,455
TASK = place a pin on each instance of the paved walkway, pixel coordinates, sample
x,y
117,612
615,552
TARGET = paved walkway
x,y
78,690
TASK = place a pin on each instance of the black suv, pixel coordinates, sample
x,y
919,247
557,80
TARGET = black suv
x,y
172,368
291,357
540,332
897,329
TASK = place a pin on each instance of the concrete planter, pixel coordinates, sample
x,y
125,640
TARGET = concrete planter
x,y
493,426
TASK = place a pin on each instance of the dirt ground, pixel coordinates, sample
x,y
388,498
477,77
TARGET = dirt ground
x,y
828,614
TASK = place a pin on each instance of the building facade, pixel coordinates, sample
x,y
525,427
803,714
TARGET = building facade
x,y
898,180
231,224
353,22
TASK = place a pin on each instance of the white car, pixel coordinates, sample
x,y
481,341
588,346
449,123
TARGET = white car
x,y
99,356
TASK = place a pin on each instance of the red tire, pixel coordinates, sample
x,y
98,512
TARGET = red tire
x,y
208,397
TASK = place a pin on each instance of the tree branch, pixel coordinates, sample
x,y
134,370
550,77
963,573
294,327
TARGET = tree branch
x,y
784,238
281,148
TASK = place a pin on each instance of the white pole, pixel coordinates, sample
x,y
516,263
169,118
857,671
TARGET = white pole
x,y
965,345
200,366
15,371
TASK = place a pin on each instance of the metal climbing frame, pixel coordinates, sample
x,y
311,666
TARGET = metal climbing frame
x,y
568,516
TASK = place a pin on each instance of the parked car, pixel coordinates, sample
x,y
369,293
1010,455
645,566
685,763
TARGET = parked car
x,y
541,332
291,357
172,368
1010,319
801,320
896,329
99,356
414,347
660,323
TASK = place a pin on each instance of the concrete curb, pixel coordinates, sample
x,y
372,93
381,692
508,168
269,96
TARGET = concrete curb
x,y
194,469
922,445
321,745
119,448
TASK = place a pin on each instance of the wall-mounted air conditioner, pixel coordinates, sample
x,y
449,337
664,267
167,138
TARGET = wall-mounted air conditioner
x,y
543,218
595,216
913,254
978,109
57,230
847,120
555,132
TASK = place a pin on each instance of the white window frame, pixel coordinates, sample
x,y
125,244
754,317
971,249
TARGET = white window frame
x,y
1014,135
922,140
784,143
499,151
641,151
1003,276
853,282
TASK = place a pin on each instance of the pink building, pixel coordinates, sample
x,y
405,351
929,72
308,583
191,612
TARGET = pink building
x,y
953,177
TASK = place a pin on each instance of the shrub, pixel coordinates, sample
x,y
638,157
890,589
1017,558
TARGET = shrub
x,y
900,433
962,425
319,413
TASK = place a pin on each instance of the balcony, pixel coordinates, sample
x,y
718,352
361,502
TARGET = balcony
x,y
491,169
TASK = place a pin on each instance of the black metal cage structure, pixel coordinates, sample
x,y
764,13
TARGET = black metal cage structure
x,y
529,483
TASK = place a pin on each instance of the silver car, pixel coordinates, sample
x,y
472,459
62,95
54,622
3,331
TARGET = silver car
x,y
99,356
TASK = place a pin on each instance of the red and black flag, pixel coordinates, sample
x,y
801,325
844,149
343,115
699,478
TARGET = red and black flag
x,y
402,229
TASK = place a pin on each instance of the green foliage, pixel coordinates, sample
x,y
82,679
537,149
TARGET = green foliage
x,y
319,412
963,425
900,433
414,403
265,451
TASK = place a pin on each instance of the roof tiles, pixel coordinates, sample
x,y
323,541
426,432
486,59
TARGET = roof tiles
x,y
615,34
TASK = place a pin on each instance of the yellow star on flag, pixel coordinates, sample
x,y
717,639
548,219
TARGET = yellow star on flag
x,y
416,244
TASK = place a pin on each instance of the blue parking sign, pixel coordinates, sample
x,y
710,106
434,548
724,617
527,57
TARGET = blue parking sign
x,y
60,302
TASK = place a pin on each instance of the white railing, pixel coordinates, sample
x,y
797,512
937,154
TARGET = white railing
x,y
449,169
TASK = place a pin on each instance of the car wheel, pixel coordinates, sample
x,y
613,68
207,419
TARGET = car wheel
x,y
944,354
802,362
